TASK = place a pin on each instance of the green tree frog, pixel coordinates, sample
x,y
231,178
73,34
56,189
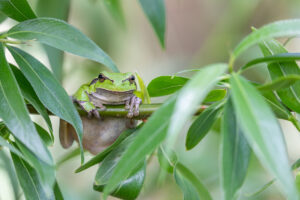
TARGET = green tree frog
x,y
107,89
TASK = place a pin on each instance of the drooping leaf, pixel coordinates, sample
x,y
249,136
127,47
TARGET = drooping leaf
x,y
289,96
29,94
280,83
44,135
58,9
191,96
7,165
165,85
284,28
13,149
15,115
65,37
191,186
57,192
99,158
215,95
166,161
17,9
156,13
262,131
30,182
282,57
235,154
202,125
115,9
49,91
129,188
149,136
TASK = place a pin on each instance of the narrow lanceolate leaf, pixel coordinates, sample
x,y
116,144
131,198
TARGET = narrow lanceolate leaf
x,y
15,115
262,131
29,94
65,37
57,192
57,9
4,143
191,186
100,157
47,88
44,135
115,9
191,96
149,136
280,83
284,28
281,57
129,188
165,85
30,182
202,125
289,96
235,154
17,9
156,13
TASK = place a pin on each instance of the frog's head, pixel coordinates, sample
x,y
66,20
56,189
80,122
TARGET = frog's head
x,y
117,82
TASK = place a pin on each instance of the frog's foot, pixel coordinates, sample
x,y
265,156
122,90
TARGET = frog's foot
x,y
93,112
133,105
89,108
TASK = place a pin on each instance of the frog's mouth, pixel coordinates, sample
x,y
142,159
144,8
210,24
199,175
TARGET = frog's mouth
x,y
101,91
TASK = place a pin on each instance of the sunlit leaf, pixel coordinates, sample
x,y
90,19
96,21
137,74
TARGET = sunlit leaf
x,y
165,85
289,96
65,37
202,125
17,9
191,96
235,154
191,186
156,13
15,115
48,89
284,28
262,131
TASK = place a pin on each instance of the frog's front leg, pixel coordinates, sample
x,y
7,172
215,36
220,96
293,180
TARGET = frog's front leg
x,y
133,105
89,107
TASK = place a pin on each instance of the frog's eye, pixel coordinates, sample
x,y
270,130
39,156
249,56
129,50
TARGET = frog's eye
x,y
101,78
131,79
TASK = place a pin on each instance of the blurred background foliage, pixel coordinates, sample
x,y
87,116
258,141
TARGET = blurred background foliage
x,y
198,32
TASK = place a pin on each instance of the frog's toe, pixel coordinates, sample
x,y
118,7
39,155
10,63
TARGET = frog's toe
x,y
127,104
95,113
130,114
137,106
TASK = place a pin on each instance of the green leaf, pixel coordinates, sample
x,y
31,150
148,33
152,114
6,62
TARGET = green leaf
x,y
99,157
18,10
202,125
149,136
191,186
273,58
58,9
298,181
44,135
129,188
15,115
115,9
191,96
13,149
284,28
235,154
48,89
30,95
165,85
296,164
30,182
57,192
167,161
215,95
155,12
143,89
8,166
65,37
280,83
2,17
262,131
289,96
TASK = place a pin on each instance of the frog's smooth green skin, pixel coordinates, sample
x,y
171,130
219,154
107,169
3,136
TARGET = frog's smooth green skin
x,y
106,89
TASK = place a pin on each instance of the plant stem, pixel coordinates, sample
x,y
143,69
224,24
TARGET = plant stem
x,y
11,41
119,111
